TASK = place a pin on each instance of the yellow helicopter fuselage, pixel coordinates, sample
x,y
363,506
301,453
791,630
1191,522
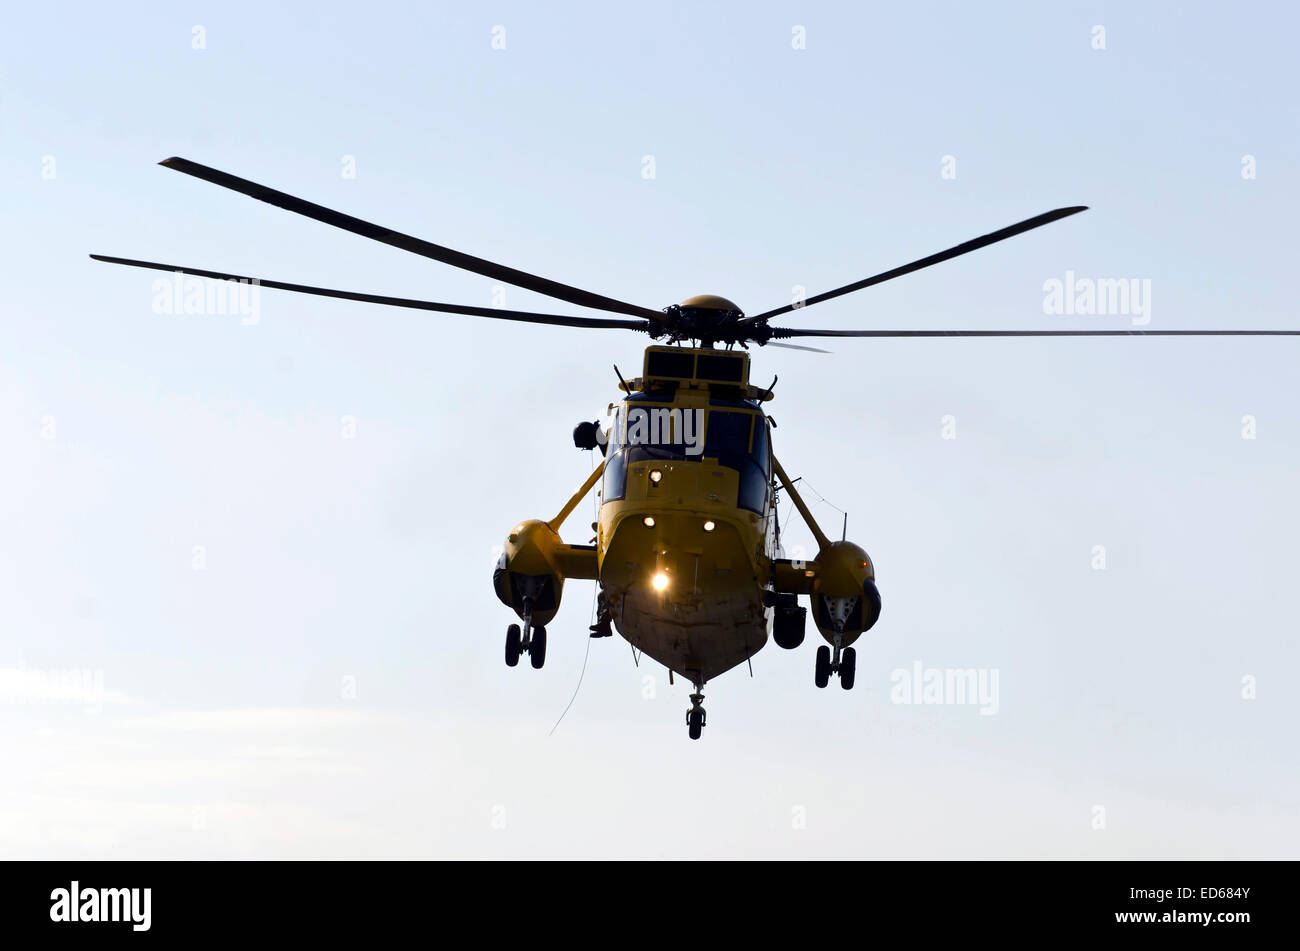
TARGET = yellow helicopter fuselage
x,y
686,547
685,538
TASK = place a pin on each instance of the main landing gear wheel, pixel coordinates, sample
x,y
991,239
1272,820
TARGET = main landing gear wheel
x,y
844,663
514,645
537,647
528,640
695,716
848,668
822,674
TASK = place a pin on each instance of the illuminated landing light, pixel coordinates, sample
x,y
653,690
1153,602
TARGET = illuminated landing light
x,y
709,526
648,521
656,476
660,582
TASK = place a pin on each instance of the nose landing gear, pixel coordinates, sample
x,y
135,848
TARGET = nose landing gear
x,y
529,640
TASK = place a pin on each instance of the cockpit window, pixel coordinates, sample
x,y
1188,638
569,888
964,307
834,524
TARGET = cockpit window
x,y
735,437
759,451
614,483
728,439
664,432
727,434
616,432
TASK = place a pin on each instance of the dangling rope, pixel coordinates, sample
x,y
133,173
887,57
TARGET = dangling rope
x,y
583,672
575,689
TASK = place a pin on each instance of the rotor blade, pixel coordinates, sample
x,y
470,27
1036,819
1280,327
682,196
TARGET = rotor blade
x,y
555,319
783,332
499,272
795,346
974,244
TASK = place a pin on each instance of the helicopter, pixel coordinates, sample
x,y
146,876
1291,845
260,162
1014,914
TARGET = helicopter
x,y
687,555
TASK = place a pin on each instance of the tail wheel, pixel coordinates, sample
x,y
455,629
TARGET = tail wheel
x,y
694,723
848,667
537,648
823,671
513,645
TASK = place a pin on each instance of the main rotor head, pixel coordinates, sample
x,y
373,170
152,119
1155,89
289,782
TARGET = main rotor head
x,y
705,317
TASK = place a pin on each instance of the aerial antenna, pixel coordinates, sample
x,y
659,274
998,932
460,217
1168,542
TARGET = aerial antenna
x,y
626,388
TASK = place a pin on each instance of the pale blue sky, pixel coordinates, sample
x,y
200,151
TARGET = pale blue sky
x,y
774,167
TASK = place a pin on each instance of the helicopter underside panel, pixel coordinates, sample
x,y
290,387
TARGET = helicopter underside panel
x,y
697,641
687,596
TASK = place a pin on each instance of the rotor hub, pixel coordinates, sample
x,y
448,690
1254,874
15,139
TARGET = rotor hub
x,y
707,318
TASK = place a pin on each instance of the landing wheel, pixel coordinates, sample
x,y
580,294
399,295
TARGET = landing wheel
x,y
695,717
514,644
537,647
822,674
848,667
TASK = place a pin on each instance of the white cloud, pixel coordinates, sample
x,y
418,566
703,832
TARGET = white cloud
x,y
339,783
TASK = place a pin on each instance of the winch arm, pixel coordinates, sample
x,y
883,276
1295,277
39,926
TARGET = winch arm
x,y
578,496
822,541
577,561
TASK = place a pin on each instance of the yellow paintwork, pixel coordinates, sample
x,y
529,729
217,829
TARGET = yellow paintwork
x,y
709,302
711,614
